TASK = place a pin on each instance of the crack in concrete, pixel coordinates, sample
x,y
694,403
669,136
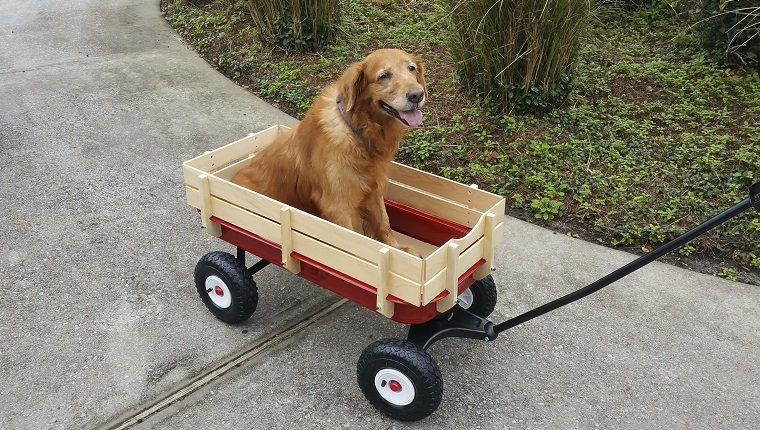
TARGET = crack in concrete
x,y
203,380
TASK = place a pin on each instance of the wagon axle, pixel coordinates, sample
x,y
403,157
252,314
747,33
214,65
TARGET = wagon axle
x,y
457,322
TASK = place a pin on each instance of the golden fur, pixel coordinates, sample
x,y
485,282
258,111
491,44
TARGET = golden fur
x,y
323,167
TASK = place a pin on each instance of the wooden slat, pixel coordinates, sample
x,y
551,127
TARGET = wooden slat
x,y
384,306
489,232
432,204
404,264
445,188
498,209
228,172
438,282
218,158
211,227
451,278
190,175
436,261
498,233
363,270
423,248
286,239
247,199
355,267
263,227
434,264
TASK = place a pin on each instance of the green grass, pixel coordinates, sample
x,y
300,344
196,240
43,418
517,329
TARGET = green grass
x,y
654,138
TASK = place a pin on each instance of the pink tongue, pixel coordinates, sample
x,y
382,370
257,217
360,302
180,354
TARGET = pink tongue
x,y
412,117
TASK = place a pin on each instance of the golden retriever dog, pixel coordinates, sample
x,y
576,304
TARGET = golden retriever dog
x,y
335,162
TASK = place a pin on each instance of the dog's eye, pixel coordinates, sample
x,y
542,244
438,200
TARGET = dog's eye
x,y
412,68
385,75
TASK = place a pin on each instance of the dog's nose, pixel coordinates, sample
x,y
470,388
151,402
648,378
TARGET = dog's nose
x,y
416,95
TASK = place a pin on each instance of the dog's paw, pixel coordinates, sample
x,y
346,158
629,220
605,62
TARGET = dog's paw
x,y
410,250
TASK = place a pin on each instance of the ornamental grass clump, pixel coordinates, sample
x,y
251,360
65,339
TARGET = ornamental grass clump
x,y
296,25
733,27
518,55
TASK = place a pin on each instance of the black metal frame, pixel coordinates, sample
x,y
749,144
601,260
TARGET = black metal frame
x,y
256,267
457,322
460,323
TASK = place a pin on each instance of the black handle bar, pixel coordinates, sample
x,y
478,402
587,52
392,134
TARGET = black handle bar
x,y
752,201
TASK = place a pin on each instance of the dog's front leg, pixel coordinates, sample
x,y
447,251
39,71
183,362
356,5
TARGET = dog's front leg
x,y
377,225
338,215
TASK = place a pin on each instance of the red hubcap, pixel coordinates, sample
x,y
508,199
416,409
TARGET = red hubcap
x,y
395,386
218,290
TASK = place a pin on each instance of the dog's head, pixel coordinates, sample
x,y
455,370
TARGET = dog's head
x,y
387,82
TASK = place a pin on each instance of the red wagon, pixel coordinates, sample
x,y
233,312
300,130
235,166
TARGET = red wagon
x,y
455,227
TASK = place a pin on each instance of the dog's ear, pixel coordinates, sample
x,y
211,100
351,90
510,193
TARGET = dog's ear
x,y
351,84
421,73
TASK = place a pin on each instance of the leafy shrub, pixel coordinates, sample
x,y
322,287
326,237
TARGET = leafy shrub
x,y
727,273
300,25
546,208
517,54
733,27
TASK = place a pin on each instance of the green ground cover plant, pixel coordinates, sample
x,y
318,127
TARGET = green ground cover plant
x,y
655,137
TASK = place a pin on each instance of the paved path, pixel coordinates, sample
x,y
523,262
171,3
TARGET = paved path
x,y
100,103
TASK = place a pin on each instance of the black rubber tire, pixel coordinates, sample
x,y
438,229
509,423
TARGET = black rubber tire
x,y
415,363
484,297
243,291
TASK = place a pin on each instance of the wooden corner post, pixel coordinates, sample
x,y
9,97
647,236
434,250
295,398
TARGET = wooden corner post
x,y
452,279
204,188
286,236
384,306
489,242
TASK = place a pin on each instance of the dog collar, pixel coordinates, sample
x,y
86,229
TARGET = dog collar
x,y
357,132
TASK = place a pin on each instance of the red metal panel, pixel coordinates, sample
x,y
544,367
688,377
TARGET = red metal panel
x,y
422,225
361,293
366,295
252,243
405,219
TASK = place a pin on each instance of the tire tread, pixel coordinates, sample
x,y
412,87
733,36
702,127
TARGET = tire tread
x,y
426,372
245,295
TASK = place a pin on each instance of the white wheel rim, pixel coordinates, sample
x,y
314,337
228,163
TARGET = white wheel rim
x,y
466,299
218,292
395,387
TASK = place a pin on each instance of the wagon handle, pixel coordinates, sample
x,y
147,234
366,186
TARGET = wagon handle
x,y
752,201
754,195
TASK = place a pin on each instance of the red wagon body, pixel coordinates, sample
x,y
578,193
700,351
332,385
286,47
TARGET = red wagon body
x,y
454,226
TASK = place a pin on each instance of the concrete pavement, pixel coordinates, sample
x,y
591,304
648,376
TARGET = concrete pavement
x,y
99,105
663,348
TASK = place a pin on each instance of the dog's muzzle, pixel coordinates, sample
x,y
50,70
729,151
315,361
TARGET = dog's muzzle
x,y
411,117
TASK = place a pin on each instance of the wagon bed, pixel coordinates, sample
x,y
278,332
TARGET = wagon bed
x,y
455,227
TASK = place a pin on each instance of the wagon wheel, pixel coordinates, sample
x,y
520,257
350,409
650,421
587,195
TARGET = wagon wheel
x,y
480,298
226,287
400,379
